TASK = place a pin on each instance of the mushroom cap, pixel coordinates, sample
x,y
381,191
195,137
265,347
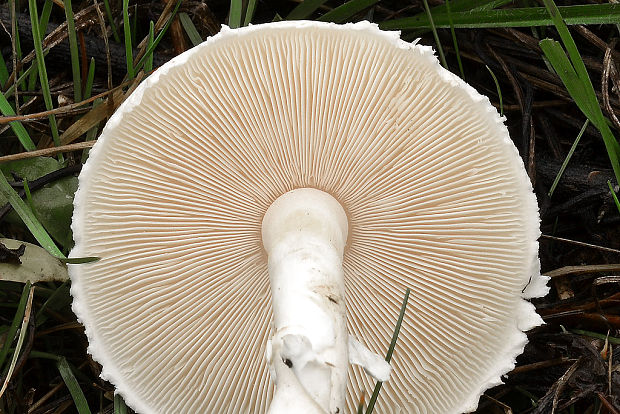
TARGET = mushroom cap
x,y
177,310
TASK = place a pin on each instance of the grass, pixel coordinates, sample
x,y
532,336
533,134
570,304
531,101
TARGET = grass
x,y
551,75
388,357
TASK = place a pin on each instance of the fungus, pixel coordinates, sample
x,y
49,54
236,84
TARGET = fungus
x,y
273,192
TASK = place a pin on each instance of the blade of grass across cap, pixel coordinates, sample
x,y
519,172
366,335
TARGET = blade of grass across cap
x,y
442,57
74,387
344,12
305,9
568,157
20,339
45,87
160,35
574,76
17,319
190,29
520,17
119,405
390,352
148,64
613,194
108,12
73,48
16,126
499,91
28,218
127,39
235,14
249,12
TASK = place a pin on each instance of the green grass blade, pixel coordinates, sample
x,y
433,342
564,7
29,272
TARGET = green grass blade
x,y
344,12
568,41
29,201
611,339
108,12
92,133
119,405
520,17
74,387
73,48
134,25
90,78
127,39
574,76
45,86
442,57
388,356
235,14
17,319
467,5
16,126
45,16
148,64
305,9
59,298
20,338
22,78
574,55
190,29
613,194
80,260
249,12
568,157
160,35
455,43
499,91
4,72
28,218
360,407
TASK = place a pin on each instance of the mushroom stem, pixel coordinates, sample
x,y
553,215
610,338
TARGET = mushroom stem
x,y
304,233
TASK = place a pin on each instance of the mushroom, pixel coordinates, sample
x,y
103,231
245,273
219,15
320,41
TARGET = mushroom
x,y
270,194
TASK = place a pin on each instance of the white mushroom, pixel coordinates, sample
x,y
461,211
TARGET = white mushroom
x,y
275,190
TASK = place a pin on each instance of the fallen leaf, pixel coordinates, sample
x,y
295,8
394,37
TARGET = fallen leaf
x,y
37,265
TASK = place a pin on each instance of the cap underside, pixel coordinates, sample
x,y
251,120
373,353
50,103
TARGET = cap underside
x,y
172,198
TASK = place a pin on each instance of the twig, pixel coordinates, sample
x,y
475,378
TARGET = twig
x,y
64,108
578,243
539,365
107,52
579,270
609,68
48,151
